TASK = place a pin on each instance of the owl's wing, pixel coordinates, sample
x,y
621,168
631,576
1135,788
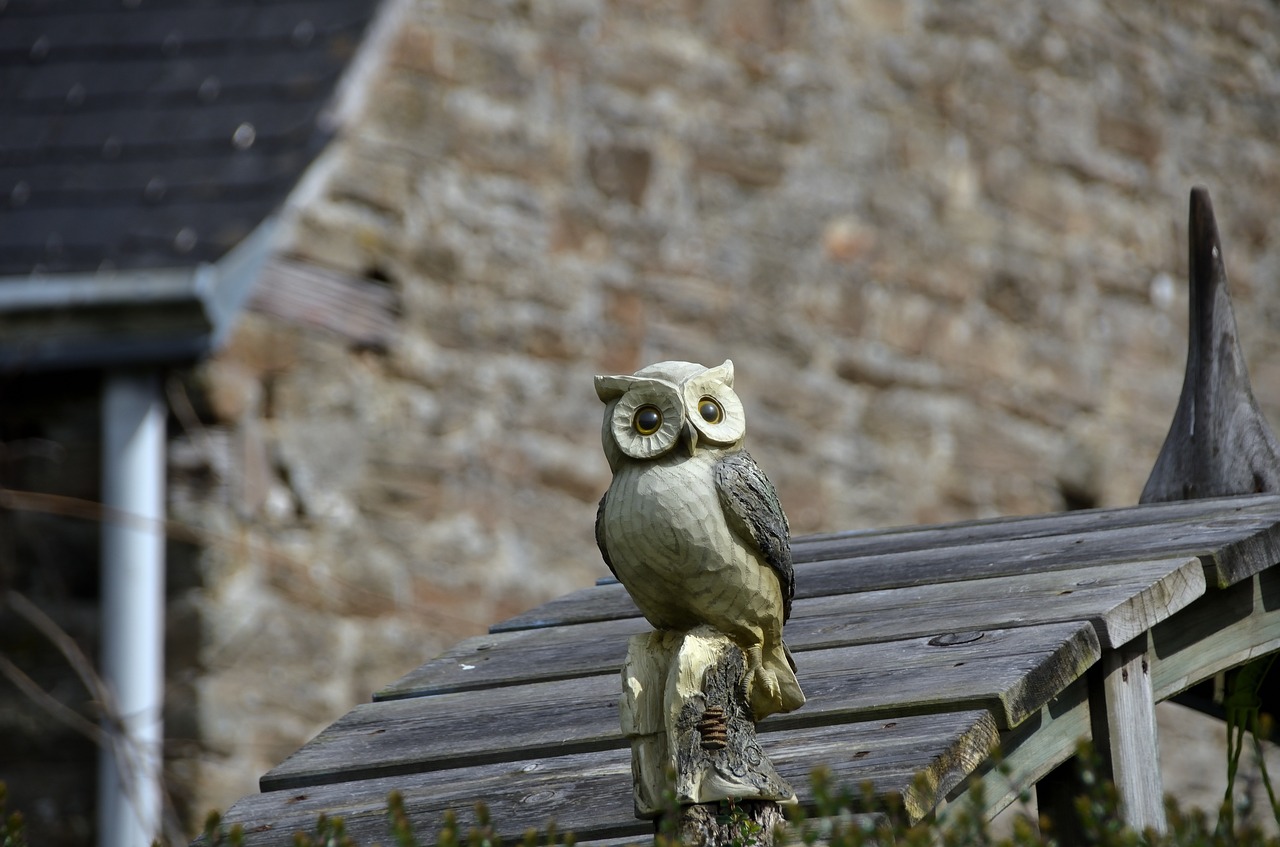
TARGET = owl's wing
x,y
604,551
751,506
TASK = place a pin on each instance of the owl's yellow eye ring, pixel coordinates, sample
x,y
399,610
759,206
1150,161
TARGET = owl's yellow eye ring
x,y
710,410
647,420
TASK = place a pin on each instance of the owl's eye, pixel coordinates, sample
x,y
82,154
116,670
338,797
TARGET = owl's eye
x,y
647,420
710,410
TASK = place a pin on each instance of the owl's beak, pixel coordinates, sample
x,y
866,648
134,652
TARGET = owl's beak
x,y
689,438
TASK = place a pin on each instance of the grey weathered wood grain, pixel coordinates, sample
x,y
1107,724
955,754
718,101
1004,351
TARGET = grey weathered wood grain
x,y
1014,527
1124,727
1218,632
1115,543
1219,442
1231,545
917,759
1011,672
1120,601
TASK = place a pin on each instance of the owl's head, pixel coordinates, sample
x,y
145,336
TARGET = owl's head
x,y
667,406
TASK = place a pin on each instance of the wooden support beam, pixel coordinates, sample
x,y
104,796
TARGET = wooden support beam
x,y
1124,732
1121,718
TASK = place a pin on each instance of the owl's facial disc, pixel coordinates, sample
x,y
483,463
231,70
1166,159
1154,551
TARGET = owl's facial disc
x,y
647,419
714,408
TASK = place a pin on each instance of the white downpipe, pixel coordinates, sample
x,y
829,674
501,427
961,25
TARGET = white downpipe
x,y
133,483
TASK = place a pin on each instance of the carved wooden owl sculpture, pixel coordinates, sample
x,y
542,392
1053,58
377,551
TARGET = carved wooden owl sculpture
x,y
690,525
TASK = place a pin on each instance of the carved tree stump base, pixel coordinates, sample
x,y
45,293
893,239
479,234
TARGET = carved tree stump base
x,y
686,711
751,823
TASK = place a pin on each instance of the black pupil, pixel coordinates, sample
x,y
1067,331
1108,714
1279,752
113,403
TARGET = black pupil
x,y
648,419
709,410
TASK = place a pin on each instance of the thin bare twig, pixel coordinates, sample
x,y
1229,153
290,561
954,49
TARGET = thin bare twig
x,y
52,705
66,645
130,757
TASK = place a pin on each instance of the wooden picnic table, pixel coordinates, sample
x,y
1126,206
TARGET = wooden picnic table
x,y
922,651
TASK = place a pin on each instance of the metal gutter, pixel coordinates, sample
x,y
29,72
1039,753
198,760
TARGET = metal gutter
x,y
116,318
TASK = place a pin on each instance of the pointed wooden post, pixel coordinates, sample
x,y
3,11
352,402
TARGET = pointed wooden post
x,y
1219,443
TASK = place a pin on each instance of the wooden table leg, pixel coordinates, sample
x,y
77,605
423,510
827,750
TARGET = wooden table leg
x,y
1124,732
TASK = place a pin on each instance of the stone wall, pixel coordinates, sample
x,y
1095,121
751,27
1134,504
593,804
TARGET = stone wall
x,y
944,244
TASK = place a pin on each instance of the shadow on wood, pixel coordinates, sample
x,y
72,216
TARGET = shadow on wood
x,y
1219,443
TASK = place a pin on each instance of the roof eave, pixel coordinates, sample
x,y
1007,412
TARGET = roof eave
x,y
141,317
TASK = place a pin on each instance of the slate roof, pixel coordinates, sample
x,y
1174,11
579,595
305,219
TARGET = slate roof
x,y
157,133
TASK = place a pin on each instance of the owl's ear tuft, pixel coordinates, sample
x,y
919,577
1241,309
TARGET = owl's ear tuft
x,y
724,373
610,388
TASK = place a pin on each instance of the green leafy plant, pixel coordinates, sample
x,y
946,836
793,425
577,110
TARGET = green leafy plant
x,y
215,836
838,816
1243,705
13,829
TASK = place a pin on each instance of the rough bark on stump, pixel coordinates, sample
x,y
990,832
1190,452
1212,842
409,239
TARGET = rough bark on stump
x,y
685,709
752,823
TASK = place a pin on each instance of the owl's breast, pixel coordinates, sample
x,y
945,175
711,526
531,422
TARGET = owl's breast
x,y
667,536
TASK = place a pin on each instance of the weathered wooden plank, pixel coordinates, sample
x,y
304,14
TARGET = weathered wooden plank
x,y
1120,601
1218,632
1014,527
42,87
1231,546
917,759
527,655
1011,672
1187,535
624,841
93,32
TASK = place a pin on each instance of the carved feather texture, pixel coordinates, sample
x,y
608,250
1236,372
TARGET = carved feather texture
x,y
693,529
751,506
